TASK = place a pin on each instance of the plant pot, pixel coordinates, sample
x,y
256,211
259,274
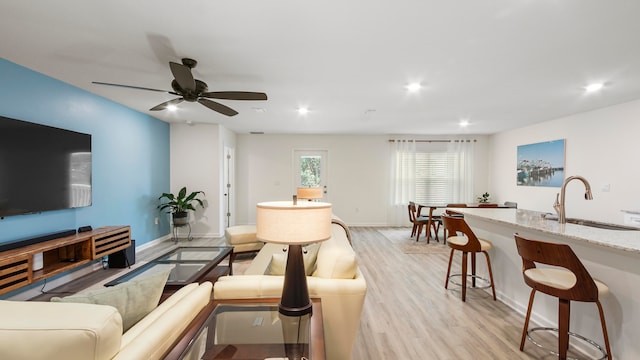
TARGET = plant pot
x,y
180,218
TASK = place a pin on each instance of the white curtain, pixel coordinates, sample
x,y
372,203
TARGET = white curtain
x,y
404,154
403,182
462,170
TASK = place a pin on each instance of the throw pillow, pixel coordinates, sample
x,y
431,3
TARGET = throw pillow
x,y
134,299
278,262
336,262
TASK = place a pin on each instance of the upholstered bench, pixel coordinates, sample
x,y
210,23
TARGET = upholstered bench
x,y
243,239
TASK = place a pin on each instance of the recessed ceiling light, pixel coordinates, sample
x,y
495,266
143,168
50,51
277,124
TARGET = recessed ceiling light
x,y
172,107
259,110
594,87
303,111
463,123
414,87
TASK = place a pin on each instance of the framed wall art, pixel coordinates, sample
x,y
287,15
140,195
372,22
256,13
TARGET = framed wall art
x,y
541,164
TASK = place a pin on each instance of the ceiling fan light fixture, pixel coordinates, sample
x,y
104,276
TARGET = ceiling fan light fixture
x,y
193,90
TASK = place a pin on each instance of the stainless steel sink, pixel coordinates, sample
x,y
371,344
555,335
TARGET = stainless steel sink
x,y
601,225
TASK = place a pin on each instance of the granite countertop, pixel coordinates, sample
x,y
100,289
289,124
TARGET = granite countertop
x,y
626,240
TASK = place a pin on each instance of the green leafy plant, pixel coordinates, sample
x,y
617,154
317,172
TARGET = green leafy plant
x,y
484,198
180,203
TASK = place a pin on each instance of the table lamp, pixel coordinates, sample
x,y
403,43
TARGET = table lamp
x,y
310,193
283,222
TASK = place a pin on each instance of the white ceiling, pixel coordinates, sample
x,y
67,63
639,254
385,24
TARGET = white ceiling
x,y
501,64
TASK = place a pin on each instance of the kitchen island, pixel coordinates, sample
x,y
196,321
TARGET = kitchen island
x,y
612,256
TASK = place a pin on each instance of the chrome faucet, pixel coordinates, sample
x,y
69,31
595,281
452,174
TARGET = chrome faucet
x,y
559,204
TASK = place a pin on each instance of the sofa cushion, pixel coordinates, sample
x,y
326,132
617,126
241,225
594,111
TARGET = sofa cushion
x,y
278,262
38,330
336,258
134,299
163,331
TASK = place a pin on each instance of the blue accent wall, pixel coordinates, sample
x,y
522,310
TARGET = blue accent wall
x,y
130,156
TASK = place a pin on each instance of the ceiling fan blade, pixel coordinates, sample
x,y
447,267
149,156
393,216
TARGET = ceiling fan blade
x,y
183,76
164,105
235,95
132,87
222,109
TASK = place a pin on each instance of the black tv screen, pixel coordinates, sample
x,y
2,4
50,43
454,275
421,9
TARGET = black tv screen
x,y
42,168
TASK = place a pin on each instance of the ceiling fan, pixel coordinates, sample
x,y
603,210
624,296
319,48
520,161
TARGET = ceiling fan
x,y
193,90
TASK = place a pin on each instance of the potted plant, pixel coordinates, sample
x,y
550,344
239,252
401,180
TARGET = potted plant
x,y
484,198
178,205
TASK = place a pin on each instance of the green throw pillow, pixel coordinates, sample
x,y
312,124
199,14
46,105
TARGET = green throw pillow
x,y
278,262
134,299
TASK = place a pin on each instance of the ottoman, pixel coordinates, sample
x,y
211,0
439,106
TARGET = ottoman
x,y
243,239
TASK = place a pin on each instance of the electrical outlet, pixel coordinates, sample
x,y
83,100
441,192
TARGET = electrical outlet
x,y
606,188
156,221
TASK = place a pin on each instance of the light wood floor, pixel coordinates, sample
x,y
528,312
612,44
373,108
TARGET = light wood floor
x,y
407,314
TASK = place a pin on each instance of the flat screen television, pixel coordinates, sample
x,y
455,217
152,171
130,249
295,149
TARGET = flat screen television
x,y
42,168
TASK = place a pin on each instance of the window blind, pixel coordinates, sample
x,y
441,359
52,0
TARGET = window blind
x,y
435,177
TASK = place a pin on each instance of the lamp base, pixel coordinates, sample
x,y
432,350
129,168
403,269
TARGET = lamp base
x,y
295,293
299,311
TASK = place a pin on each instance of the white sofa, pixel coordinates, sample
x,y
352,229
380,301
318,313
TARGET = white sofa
x,y
336,280
73,331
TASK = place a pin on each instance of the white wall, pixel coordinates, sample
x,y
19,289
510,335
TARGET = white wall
x,y
600,145
196,163
358,182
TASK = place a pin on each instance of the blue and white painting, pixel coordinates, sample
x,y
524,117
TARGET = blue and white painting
x,y
541,164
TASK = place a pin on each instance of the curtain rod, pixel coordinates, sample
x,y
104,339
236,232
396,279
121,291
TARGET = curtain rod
x,y
416,140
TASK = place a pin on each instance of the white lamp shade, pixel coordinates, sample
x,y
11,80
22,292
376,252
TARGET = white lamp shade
x,y
309,193
281,222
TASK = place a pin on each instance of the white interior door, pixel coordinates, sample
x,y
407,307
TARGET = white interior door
x,y
310,167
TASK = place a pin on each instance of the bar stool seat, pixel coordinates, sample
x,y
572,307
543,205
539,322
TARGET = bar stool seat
x,y
463,240
568,280
561,279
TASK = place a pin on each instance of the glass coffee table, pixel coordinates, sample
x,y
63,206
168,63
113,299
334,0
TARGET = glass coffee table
x,y
188,264
254,329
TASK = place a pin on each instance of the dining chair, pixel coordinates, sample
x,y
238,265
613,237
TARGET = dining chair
x,y
511,204
562,276
483,205
420,221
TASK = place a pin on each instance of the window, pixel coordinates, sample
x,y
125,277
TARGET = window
x,y
310,170
436,177
432,172
429,172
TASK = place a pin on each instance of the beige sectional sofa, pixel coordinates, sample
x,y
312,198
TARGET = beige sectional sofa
x,y
335,279
75,331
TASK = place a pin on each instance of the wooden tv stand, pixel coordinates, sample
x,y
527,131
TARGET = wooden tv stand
x,y
59,255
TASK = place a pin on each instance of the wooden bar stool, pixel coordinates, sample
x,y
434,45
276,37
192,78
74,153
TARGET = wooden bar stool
x,y
567,280
468,243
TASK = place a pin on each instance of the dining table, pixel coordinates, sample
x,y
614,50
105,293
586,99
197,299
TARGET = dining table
x,y
448,205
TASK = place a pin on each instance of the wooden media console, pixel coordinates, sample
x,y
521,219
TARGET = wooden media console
x,y
59,255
